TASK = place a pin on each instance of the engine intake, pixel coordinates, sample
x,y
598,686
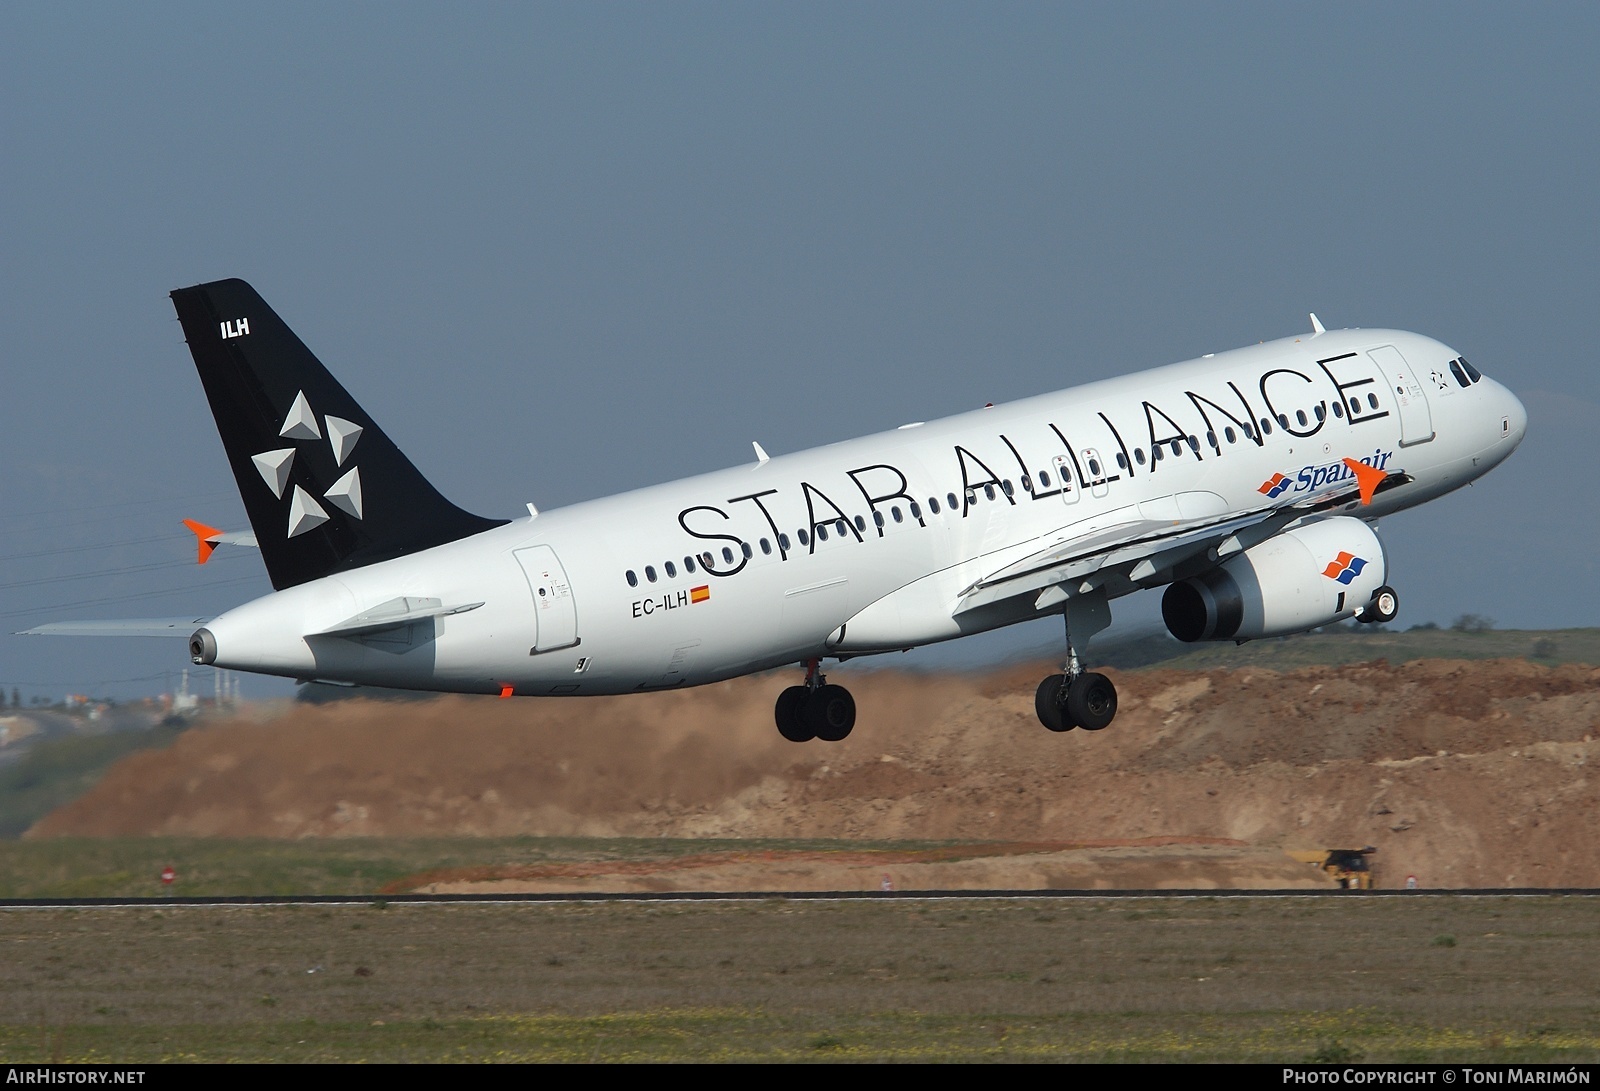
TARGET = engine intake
x,y
1313,575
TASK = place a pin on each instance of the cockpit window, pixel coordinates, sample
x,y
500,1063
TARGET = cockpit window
x,y
1472,373
1461,377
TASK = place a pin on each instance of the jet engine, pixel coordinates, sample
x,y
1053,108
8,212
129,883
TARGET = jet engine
x,y
1313,575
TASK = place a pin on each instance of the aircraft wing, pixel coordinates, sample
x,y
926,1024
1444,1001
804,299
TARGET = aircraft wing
x,y
1141,540
137,626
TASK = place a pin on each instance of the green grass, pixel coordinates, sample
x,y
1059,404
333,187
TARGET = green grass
x,y
1549,647
82,867
1336,979
734,1035
56,771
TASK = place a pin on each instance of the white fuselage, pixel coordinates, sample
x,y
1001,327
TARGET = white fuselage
x,y
581,600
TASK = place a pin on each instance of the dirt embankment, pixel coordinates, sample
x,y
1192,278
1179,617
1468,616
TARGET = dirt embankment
x,y
1463,773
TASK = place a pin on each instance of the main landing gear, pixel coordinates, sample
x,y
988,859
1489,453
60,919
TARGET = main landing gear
x,y
815,710
1076,697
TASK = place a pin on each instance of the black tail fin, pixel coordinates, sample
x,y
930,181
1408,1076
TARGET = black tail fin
x,y
325,489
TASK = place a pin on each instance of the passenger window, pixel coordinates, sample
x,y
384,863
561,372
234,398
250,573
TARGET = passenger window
x,y
841,528
1026,483
1372,400
688,564
672,570
1122,461
766,548
1322,414
805,539
1177,448
1138,455
744,547
916,512
822,534
1338,410
783,542
1044,479
1094,467
1155,454
705,560
1229,435
895,511
727,554
933,504
650,573
1266,427
1300,415
861,524
951,497
1283,420
1211,438
877,517
1006,485
633,581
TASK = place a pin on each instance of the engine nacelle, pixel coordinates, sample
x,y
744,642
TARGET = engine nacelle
x,y
1313,575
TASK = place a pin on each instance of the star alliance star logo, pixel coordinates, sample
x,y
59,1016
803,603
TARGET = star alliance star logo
x,y
274,466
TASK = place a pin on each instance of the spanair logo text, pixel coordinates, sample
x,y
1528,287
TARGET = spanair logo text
x,y
1311,478
1344,568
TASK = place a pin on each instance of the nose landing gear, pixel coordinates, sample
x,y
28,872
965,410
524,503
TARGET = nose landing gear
x,y
815,710
1076,697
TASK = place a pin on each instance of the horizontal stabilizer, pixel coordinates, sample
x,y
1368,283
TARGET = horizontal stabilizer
x,y
133,626
210,538
392,615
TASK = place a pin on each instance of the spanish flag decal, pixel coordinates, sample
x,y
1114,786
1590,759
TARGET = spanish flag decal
x,y
701,593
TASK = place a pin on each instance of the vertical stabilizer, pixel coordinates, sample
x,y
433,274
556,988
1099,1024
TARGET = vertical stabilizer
x,y
325,488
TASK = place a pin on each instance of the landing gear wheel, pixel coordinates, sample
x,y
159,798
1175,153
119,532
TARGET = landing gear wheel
x,y
830,713
1092,701
1384,607
1049,702
790,714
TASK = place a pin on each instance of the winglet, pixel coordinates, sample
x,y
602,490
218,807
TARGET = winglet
x,y
1368,478
209,537
761,455
1316,324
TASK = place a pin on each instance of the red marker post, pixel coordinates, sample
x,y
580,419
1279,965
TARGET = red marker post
x,y
168,875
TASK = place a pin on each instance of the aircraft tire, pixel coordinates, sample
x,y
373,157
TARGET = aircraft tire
x,y
1048,706
830,713
790,714
1092,701
1384,607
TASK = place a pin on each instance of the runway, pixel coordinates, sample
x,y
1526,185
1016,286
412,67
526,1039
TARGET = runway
x,y
670,896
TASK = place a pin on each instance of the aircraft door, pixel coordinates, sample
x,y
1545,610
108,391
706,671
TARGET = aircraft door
x,y
1416,420
553,605
1094,468
1064,476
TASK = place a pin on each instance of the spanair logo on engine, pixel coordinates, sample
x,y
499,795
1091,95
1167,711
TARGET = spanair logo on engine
x,y
274,466
1311,478
1344,568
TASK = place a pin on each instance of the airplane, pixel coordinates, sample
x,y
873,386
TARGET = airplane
x,y
1244,483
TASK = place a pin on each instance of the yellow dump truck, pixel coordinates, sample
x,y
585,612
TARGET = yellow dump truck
x,y
1349,868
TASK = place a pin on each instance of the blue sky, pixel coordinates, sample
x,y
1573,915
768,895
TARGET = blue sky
x,y
565,250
